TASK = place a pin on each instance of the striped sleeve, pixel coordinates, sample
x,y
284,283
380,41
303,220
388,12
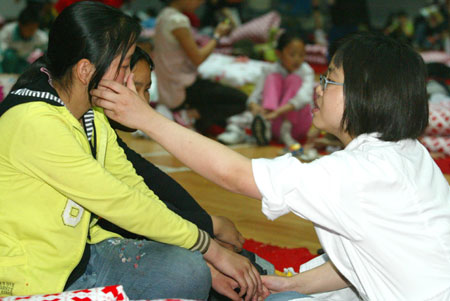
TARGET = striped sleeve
x,y
202,243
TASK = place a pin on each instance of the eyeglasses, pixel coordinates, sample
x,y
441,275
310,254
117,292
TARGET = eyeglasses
x,y
324,81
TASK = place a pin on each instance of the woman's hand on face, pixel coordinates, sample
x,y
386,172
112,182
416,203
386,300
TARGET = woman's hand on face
x,y
225,231
121,103
238,268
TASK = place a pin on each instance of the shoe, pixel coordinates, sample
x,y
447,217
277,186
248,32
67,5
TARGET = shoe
x,y
243,119
261,130
233,135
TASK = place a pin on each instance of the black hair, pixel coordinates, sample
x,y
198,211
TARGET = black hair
x,y
141,54
289,36
29,15
84,30
384,87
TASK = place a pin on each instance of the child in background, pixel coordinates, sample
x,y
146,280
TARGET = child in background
x,y
194,101
379,207
22,42
281,101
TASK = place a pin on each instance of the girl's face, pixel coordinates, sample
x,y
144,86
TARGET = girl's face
x,y
120,73
292,55
330,104
142,79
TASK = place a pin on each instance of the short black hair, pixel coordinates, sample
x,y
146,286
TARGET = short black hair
x,y
29,15
288,36
141,54
384,87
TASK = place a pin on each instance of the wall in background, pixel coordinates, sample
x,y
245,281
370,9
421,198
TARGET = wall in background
x,y
379,9
10,9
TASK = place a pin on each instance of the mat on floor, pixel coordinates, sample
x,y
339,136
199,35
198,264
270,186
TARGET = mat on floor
x,y
280,257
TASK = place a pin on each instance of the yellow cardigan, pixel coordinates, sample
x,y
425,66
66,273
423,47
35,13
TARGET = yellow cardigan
x,y
49,186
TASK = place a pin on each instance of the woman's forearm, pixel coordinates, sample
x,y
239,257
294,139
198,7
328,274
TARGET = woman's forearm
x,y
321,279
210,159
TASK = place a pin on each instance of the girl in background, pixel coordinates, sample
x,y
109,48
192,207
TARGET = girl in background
x,y
195,102
282,98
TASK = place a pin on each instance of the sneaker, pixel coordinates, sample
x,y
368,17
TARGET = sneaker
x,y
233,135
261,130
243,119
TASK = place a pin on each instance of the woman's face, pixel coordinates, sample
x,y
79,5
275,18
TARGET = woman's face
x,y
142,79
120,73
329,104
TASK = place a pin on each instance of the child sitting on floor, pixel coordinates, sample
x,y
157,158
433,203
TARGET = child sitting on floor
x,y
281,99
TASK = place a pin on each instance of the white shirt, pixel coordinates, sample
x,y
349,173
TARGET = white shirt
x,y
174,69
304,95
381,211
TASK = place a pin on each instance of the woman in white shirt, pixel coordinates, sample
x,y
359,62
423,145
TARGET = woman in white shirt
x,y
381,206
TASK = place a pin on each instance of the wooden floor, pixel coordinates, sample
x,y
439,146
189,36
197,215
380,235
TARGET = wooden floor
x,y
286,231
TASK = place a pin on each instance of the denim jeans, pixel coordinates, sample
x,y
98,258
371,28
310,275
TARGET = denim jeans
x,y
146,270
284,296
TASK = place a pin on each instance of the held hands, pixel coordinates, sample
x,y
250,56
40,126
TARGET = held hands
x,y
223,284
122,103
226,232
238,268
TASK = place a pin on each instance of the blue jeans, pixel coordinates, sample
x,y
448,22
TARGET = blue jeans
x,y
146,270
284,296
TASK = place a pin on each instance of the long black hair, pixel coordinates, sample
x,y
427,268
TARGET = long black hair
x,y
84,30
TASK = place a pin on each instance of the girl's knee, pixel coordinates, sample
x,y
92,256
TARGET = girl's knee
x,y
191,272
